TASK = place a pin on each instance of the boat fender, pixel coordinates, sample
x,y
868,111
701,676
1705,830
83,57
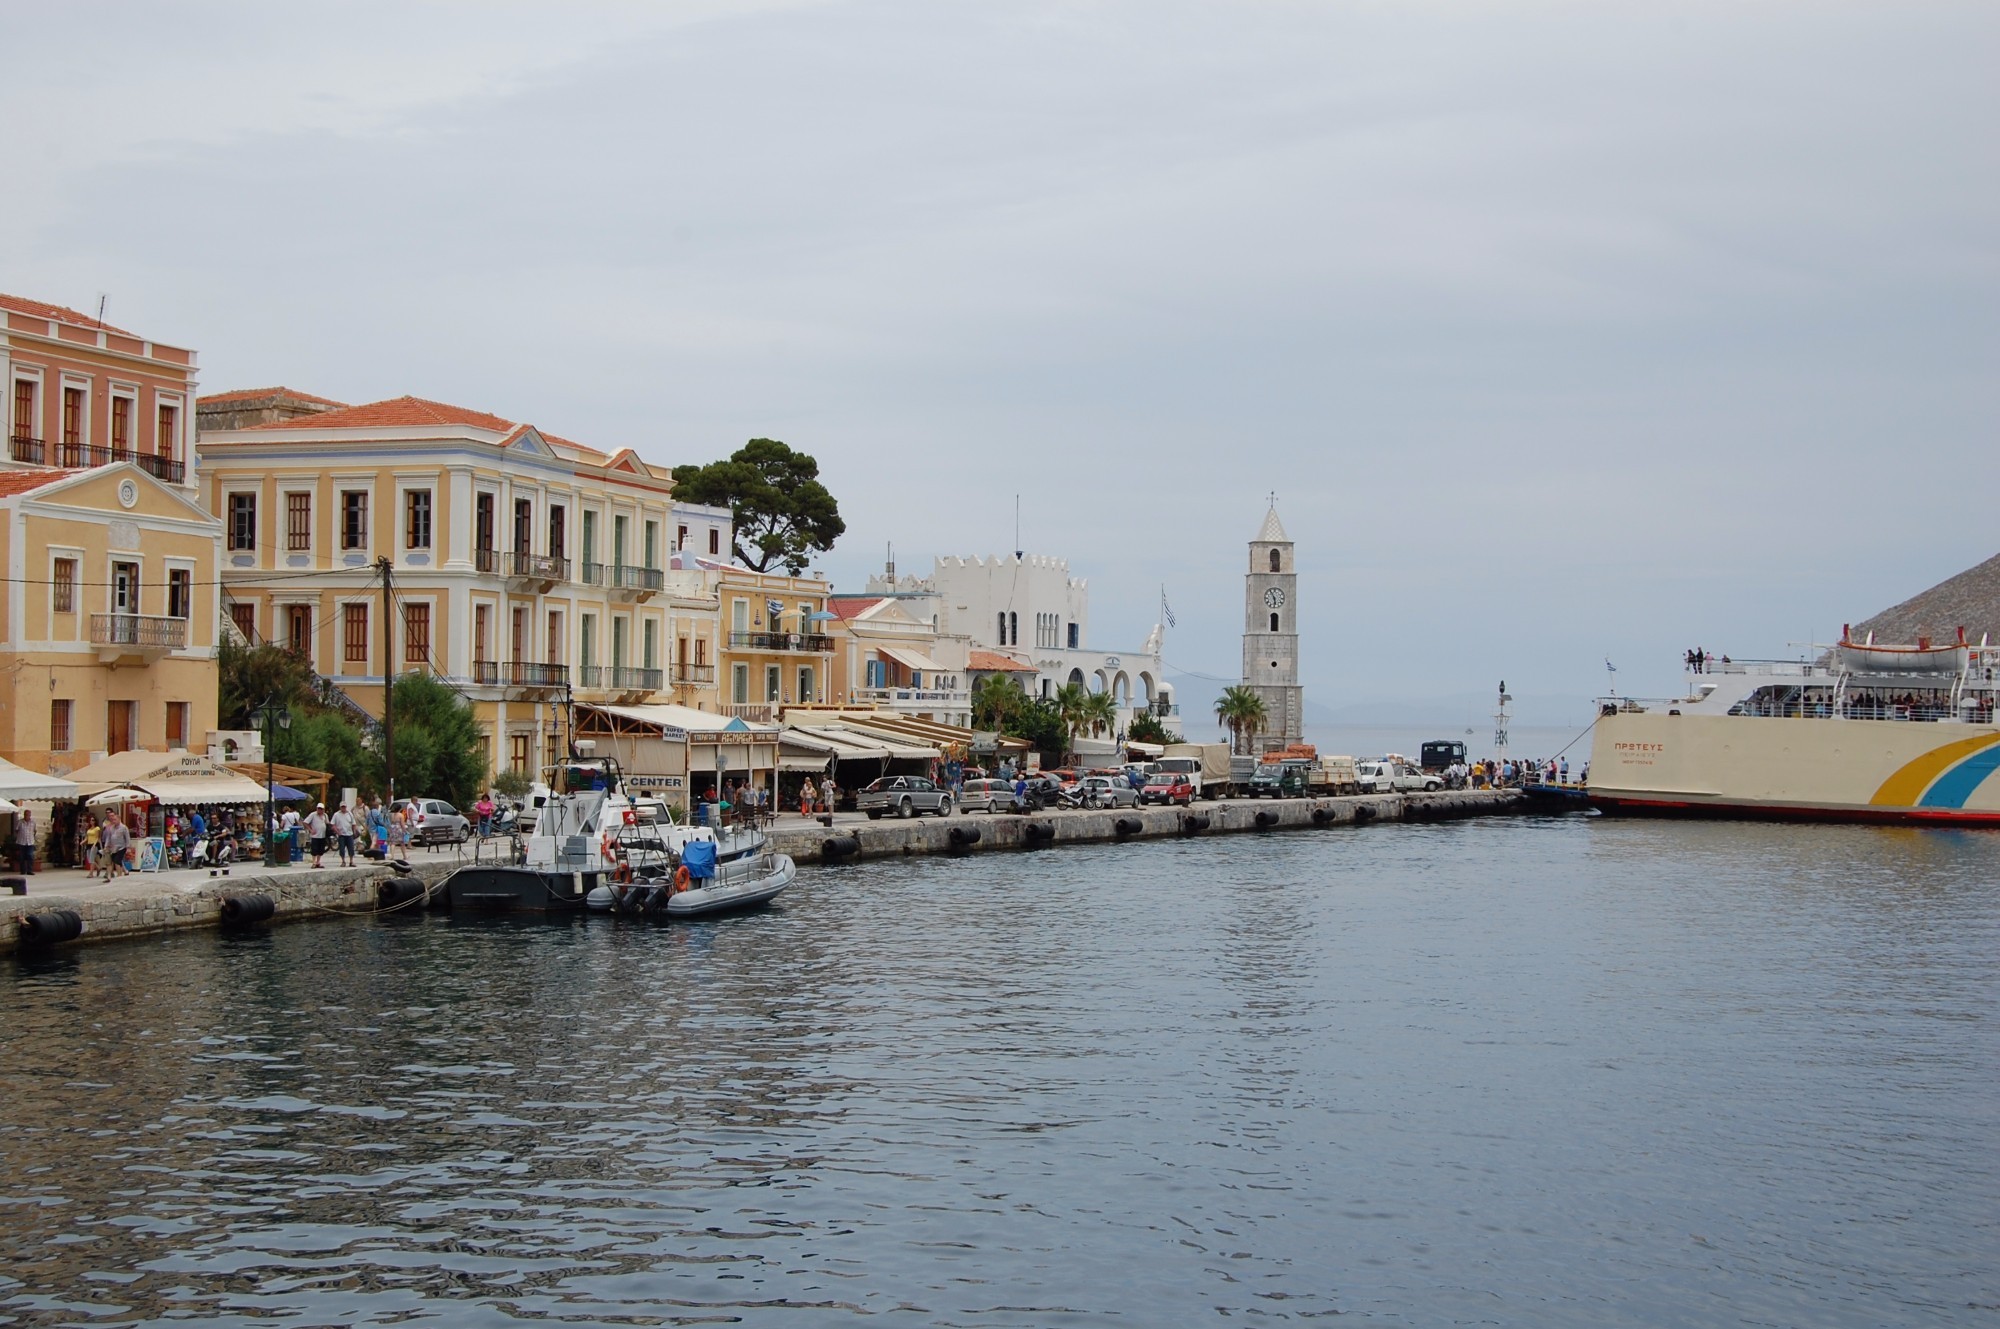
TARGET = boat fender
x,y
964,836
1040,832
1266,819
682,880
1364,812
240,909
1322,815
398,891
1193,823
46,929
1127,825
839,846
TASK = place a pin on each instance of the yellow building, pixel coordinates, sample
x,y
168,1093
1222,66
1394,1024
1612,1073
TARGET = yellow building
x,y
776,651
525,568
108,581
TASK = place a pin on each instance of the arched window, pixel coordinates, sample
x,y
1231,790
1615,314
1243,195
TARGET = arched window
x,y
1003,627
1014,623
1274,622
1274,560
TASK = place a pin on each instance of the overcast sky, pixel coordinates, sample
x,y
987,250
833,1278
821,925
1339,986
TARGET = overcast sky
x,y
1563,331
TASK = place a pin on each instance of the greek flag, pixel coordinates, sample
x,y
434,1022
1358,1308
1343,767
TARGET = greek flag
x,y
1167,610
1609,668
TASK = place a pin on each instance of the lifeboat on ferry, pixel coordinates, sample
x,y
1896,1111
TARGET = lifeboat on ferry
x,y
1926,657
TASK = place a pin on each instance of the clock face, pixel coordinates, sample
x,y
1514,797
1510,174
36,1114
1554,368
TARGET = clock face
x,y
1275,598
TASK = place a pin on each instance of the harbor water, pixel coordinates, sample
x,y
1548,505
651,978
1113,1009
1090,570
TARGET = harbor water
x,y
1506,1072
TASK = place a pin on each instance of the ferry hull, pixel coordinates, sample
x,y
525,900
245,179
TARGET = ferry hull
x,y
1808,769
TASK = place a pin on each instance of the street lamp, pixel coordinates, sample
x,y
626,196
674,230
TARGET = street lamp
x,y
271,712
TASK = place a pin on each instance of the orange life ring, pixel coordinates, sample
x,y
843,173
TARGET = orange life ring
x,y
622,873
608,847
682,881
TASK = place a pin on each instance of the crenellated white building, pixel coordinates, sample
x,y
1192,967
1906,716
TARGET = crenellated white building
x,y
1029,607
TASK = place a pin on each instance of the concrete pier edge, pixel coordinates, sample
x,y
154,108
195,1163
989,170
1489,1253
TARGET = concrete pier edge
x,y
350,891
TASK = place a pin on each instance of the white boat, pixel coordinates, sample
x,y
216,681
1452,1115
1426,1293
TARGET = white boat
x,y
1869,732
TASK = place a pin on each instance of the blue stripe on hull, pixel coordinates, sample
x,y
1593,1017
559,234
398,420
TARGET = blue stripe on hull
x,y
1951,789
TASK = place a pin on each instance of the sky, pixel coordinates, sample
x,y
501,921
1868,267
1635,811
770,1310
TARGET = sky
x,y
1566,333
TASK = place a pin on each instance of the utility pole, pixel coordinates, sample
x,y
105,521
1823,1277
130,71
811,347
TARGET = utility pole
x,y
383,566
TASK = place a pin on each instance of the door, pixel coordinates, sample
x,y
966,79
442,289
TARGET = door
x,y
119,726
124,588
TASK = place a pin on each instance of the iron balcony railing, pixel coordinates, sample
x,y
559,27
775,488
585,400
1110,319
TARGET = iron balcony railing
x,y
154,630
31,450
808,642
627,679
593,574
591,676
752,710
541,567
486,560
74,456
519,674
628,578
693,675
957,697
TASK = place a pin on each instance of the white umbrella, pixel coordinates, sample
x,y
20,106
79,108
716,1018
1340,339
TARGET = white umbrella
x,y
116,798
5,806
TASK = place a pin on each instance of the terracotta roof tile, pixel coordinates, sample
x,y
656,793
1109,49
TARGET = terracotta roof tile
x,y
43,309
398,412
977,661
252,394
851,606
20,482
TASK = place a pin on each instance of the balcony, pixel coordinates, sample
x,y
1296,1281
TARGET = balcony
x,y
593,573
543,570
917,700
757,712
694,675
72,456
630,583
802,643
486,560
520,676
136,638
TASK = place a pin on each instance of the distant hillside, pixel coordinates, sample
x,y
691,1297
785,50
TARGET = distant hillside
x,y
1457,709
1971,600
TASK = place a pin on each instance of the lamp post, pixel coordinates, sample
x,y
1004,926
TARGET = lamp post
x,y
271,712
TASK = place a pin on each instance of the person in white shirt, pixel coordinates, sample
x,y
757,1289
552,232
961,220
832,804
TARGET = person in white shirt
x,y
316,832
343,835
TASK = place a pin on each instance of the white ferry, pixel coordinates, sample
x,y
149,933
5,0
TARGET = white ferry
x,y
1874,733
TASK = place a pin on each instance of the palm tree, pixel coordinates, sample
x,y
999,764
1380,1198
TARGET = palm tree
x,y
1100,713
996,700
1072,703
1242,714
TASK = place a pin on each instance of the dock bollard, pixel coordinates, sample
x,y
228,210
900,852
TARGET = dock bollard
x,y
49,928
14,885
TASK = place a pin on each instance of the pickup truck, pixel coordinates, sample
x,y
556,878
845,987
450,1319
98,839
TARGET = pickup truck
x,y
1391,777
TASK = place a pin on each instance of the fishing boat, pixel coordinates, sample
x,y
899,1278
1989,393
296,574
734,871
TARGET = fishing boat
x,y
1866,731
594,847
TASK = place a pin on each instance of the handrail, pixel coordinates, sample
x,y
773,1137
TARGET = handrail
x,y
157,630
803,642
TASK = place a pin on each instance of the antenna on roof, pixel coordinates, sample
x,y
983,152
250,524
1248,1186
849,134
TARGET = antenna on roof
x,y
102,300
1017,527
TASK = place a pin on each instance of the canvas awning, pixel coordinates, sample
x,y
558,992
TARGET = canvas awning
x,y
18,782
173,778
803,761
913,658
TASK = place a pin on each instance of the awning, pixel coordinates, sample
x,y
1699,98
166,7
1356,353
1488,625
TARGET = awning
x,y
17,782
802,761
913,658
197,789
1146,749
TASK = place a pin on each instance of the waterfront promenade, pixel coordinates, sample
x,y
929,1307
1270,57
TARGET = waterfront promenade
x,y
142,903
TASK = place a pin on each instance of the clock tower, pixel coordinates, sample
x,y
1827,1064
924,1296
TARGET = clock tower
x,y
1271,634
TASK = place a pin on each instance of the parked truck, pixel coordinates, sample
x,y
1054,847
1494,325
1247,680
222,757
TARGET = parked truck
x,y
1206,766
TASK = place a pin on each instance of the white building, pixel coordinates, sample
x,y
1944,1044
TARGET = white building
x,y
1031,609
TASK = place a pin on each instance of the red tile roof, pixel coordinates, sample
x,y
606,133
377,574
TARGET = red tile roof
x,y
42,309
20,482
845,607
981,662
252,394
398,412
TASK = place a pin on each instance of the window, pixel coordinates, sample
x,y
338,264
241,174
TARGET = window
x,y
180,593
620,627
354,633
242,521
714,540
120,727
1274,622
589,538
354,519
1274,560
72,427
1075,636
24,409
298,521
701,650
652,544
558,546
299,629
166,429
587,641
177,723
417,627
1014,628
124,588
417,524
245,619
483,556
59,713
651,656
524,526
553,647
771,676
121,427
620,526
681,537
482,624
65,586
520,637
517,751
739,684
739,616
1003,627
805,684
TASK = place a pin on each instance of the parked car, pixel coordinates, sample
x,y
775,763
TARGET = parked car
x,y
1168,787
434,821
1389,776
1106,791
904,795
986,796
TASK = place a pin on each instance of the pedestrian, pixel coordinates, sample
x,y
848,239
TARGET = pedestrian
x,y
806,796
1565,770
316,832
116,841
484,809
829,795
24,843
343,835
91,856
